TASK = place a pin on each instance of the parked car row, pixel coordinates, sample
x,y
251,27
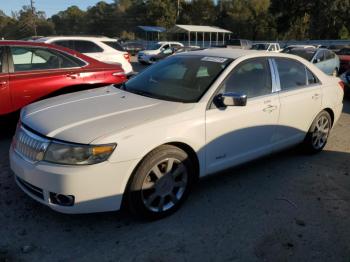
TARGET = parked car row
x,y
30,71
143,143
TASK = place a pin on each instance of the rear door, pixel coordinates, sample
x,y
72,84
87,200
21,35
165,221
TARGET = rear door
x,y
36,72
5,96
300,99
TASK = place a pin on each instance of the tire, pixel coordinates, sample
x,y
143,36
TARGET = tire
x,y
317,136
160,183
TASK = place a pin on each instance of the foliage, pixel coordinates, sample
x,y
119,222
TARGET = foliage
x,y
251,19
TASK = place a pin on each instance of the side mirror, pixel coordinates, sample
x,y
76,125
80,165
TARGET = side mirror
x,y
231,99
317,61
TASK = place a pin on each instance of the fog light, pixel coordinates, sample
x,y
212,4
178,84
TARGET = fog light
x,y
62,200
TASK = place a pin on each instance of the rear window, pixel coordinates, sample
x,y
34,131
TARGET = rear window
x,y
114,44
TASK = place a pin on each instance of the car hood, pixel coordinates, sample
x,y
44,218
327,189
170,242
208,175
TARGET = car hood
x,y
83,117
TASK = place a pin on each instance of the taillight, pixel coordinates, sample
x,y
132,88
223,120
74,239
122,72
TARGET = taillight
x,y
342,85
127,57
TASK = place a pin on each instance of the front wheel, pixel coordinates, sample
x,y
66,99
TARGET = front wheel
x,y
316,138
161,183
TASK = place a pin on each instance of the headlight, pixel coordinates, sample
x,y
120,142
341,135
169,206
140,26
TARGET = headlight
x,y
72,154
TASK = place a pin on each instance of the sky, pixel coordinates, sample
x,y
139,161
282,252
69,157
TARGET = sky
x,y
50,7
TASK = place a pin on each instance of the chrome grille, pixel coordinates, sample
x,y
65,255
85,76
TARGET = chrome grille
x,y
29,145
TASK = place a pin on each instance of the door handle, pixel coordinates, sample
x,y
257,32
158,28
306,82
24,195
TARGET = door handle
x,y
270,108
315,96
3,85
72,76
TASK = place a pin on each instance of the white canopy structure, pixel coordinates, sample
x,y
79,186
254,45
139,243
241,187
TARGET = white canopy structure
x,y
203,29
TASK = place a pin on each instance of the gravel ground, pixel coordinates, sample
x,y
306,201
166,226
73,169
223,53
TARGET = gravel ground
x,y
286,207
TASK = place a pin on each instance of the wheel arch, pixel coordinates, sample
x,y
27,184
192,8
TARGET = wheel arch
x,y
330,112
185,147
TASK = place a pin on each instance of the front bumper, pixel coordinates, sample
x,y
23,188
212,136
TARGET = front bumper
x,y
96,188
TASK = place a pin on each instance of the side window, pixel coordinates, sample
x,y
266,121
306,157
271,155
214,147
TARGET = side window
x,y
87,47
31,58
272,48
329,55
251,78
319,57
311,79
165,47
292,73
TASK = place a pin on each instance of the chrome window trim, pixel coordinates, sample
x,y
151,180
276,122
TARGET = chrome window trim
x,y
276,83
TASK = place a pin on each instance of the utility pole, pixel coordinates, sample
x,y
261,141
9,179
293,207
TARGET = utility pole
x,y
178,10
33,16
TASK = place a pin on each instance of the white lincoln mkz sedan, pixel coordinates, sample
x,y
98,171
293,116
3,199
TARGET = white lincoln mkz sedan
x,y
144,143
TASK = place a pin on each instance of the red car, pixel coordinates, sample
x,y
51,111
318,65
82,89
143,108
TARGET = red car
x,y
32,71
344,57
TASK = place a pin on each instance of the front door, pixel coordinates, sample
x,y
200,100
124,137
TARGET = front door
x,y
238,134
37,72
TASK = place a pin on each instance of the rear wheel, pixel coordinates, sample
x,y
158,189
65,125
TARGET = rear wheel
x,y
161,183
317,137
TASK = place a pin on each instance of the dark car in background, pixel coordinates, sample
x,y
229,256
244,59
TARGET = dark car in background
x,y
133,47
344,57
32,71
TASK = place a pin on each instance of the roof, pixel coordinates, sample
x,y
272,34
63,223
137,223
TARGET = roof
x,y
224,52
152,28
198,28
77,37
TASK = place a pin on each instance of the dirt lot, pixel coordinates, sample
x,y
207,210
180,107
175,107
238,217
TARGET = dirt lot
x,y
287,207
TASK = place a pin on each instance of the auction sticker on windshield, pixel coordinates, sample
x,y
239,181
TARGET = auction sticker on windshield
x,y
214,59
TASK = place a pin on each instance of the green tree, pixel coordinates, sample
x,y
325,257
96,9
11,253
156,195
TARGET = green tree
x,y
70,21
161,13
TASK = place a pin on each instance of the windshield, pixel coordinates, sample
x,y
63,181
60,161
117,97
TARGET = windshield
x,y
115,45
305,53
178,78
260,47
154,47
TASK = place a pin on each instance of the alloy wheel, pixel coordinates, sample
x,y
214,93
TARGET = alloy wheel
x,y
164,185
